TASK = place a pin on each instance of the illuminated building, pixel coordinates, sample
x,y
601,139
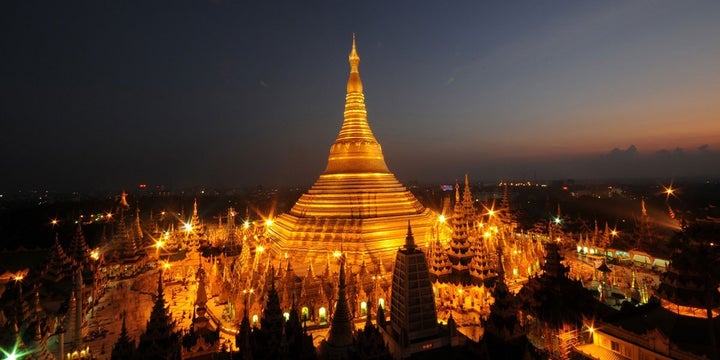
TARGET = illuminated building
x,y
682,320
413,323
462,267
357,204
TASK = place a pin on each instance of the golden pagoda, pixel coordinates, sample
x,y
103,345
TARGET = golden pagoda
x,y
357,205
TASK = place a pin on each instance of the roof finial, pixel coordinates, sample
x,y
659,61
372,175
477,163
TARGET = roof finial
x,y
354,82
354,57
409,239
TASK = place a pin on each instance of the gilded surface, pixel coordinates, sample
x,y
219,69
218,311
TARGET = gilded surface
x,y
357,204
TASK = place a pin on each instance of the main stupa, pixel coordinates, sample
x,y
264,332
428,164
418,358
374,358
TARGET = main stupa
x,y
357,206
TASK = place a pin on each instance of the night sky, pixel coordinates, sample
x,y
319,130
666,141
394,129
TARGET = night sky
x,y
110,94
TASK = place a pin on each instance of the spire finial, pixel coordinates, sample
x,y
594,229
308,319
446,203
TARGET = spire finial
x,y
457,191
354,83
354,57
409,239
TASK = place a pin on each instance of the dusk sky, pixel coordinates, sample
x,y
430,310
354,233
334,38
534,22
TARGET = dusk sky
x,y
109,94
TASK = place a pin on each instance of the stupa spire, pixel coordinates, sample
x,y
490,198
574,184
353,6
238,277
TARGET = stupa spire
x,y
354,60
356,201
355,150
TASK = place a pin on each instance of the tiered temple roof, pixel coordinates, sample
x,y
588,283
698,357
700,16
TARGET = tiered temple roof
x,y
481,266
438,262
459,251
79,249
127,248
59,264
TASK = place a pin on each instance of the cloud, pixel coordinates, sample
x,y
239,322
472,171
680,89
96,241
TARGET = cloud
x,y
629,153
619,163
